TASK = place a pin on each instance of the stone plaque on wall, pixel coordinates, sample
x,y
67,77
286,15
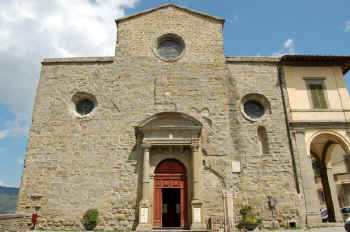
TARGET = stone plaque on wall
x,y
144,215
236,166
197,215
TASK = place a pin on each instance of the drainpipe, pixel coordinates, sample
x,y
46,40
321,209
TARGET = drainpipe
x,y
288,129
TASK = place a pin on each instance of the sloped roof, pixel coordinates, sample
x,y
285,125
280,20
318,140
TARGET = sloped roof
x,y
317,60
170,5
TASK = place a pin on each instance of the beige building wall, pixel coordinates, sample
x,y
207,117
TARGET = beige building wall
x,y
299,100
319,132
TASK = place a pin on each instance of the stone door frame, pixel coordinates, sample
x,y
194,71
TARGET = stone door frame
x,y
169,129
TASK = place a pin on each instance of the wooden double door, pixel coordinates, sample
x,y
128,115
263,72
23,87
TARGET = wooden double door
x,y
170,195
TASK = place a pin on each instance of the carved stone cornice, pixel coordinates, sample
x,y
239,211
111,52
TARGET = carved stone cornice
x,y
299,125
298,131
146,146
195,145
168,141
194,148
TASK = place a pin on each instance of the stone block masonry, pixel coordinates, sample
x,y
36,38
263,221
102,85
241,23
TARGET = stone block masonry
x,y
15,223
76,162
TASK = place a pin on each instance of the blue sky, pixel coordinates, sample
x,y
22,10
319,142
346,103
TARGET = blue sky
x,y
33,29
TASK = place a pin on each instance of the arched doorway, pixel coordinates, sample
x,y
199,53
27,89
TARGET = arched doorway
x,y
329,152
170,131
170,194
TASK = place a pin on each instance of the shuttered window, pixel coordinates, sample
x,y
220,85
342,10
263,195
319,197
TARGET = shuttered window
x,y
317,94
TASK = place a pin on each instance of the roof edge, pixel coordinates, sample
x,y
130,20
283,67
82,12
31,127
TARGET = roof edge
x,y
169,5
303,57
78,60
263,59
317,60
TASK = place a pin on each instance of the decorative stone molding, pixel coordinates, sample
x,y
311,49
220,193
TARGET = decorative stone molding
x,y
146,146
299,131
348,133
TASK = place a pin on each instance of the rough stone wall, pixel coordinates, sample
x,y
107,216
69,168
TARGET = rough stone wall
x,y
213,200
76,163
15,223
202,35
265,174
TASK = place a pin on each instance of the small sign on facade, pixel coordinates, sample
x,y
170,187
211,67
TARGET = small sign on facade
x,y
236,166
144,215
197,215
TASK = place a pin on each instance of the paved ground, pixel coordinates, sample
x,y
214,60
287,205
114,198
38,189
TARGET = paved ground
x,y
327,229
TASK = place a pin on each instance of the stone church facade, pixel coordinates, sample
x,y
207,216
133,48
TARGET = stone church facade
x,y
170,132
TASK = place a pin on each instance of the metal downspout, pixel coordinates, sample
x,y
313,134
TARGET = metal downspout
x,y
296,179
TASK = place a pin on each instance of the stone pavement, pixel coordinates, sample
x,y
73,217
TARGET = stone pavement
x,y
324,229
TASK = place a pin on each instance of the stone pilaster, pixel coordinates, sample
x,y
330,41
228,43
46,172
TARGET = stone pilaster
x,y
144,206
312,204
196,203
334,196
228,210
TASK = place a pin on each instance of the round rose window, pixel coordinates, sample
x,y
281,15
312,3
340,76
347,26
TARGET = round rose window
x,y
83,103
254,109
85,106
170,47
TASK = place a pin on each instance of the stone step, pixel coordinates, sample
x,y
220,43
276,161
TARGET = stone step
x,y
176,229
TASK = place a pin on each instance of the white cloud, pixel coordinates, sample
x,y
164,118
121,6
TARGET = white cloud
x,y
289,43
288,48
17,127
33,29
3,134
3,184
347,26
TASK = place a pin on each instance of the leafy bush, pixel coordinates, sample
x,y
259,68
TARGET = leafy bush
x,y
249,219
90,217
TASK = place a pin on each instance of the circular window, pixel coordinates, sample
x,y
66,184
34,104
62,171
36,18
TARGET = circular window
x,y
85,106
254,109
84,103
254,106
170,47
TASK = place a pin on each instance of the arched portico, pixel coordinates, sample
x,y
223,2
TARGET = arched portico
x,y
328,149
317,150
170,132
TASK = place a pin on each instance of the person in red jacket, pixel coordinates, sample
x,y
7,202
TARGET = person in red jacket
x,y
34,218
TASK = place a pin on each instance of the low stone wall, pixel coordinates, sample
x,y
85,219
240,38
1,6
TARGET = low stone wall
x,y
14,222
